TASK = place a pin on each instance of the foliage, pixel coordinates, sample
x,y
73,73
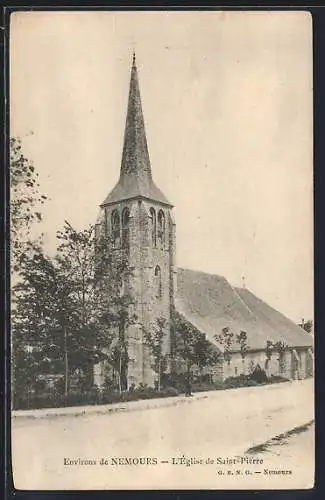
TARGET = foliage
x,y
45,398
91,396
239,381
154,339
192,346
175,380
25,201
68,311
268,352
307,325
258,375
226,338
279,347
242,341
25,369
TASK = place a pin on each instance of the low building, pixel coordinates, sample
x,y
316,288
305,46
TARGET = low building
x,y
211,304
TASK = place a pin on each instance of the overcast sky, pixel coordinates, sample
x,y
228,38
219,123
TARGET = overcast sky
x,y
227,101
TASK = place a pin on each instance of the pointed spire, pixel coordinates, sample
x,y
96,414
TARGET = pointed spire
x,y
135,158
135,174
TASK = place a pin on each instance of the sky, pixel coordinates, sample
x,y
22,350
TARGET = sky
x,y
227,102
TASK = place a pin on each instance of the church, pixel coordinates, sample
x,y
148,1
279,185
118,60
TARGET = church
x,y
138,218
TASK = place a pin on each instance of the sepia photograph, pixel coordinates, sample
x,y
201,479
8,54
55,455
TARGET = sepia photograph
x,y
161,250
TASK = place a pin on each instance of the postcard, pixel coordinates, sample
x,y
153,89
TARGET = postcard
x,y
161,170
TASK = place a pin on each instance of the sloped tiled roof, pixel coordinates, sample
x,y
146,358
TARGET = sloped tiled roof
x,y
210,303
134,187
283,327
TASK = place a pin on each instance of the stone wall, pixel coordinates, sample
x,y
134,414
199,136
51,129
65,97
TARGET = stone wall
x,y
217,371
290,364
153,281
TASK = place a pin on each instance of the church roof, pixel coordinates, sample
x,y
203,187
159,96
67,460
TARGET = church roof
x,y
210,303
135,174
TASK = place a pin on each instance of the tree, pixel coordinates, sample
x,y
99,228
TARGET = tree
x,y
193,347
32,316
113,276
70,306
242,341
25,201
268,352
154,339
307,325
206,354
280,347
226,339
100,300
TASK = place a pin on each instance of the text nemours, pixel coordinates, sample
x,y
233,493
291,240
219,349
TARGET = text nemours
x,y
183,460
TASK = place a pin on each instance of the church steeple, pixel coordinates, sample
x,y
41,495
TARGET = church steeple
x,y
135,158
138,222
135,174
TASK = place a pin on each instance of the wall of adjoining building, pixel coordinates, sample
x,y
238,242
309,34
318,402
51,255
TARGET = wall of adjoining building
x,y
290,364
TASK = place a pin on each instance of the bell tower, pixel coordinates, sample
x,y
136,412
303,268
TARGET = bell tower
x,y
138,219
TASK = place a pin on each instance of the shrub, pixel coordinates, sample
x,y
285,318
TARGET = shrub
x,y
206,386
172,385
170,392
176,380
240,381
259,375
275,379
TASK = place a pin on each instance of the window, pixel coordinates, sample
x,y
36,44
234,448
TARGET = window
x,y
153,226
161,228
158,286
122,287
106,220
116,229
125,228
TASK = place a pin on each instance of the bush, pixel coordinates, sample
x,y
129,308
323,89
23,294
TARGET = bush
x,y
206,386
170,392
240,381
275,379
259,375
172,385
175,380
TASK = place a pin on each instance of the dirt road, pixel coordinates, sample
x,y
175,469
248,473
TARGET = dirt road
x,y
104,451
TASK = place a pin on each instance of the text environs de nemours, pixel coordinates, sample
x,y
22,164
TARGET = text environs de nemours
x,y
180,460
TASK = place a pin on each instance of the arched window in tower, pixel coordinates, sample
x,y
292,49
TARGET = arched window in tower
x,y
122,287
158,284
125,228
161,228
153,226
106,221
116,229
